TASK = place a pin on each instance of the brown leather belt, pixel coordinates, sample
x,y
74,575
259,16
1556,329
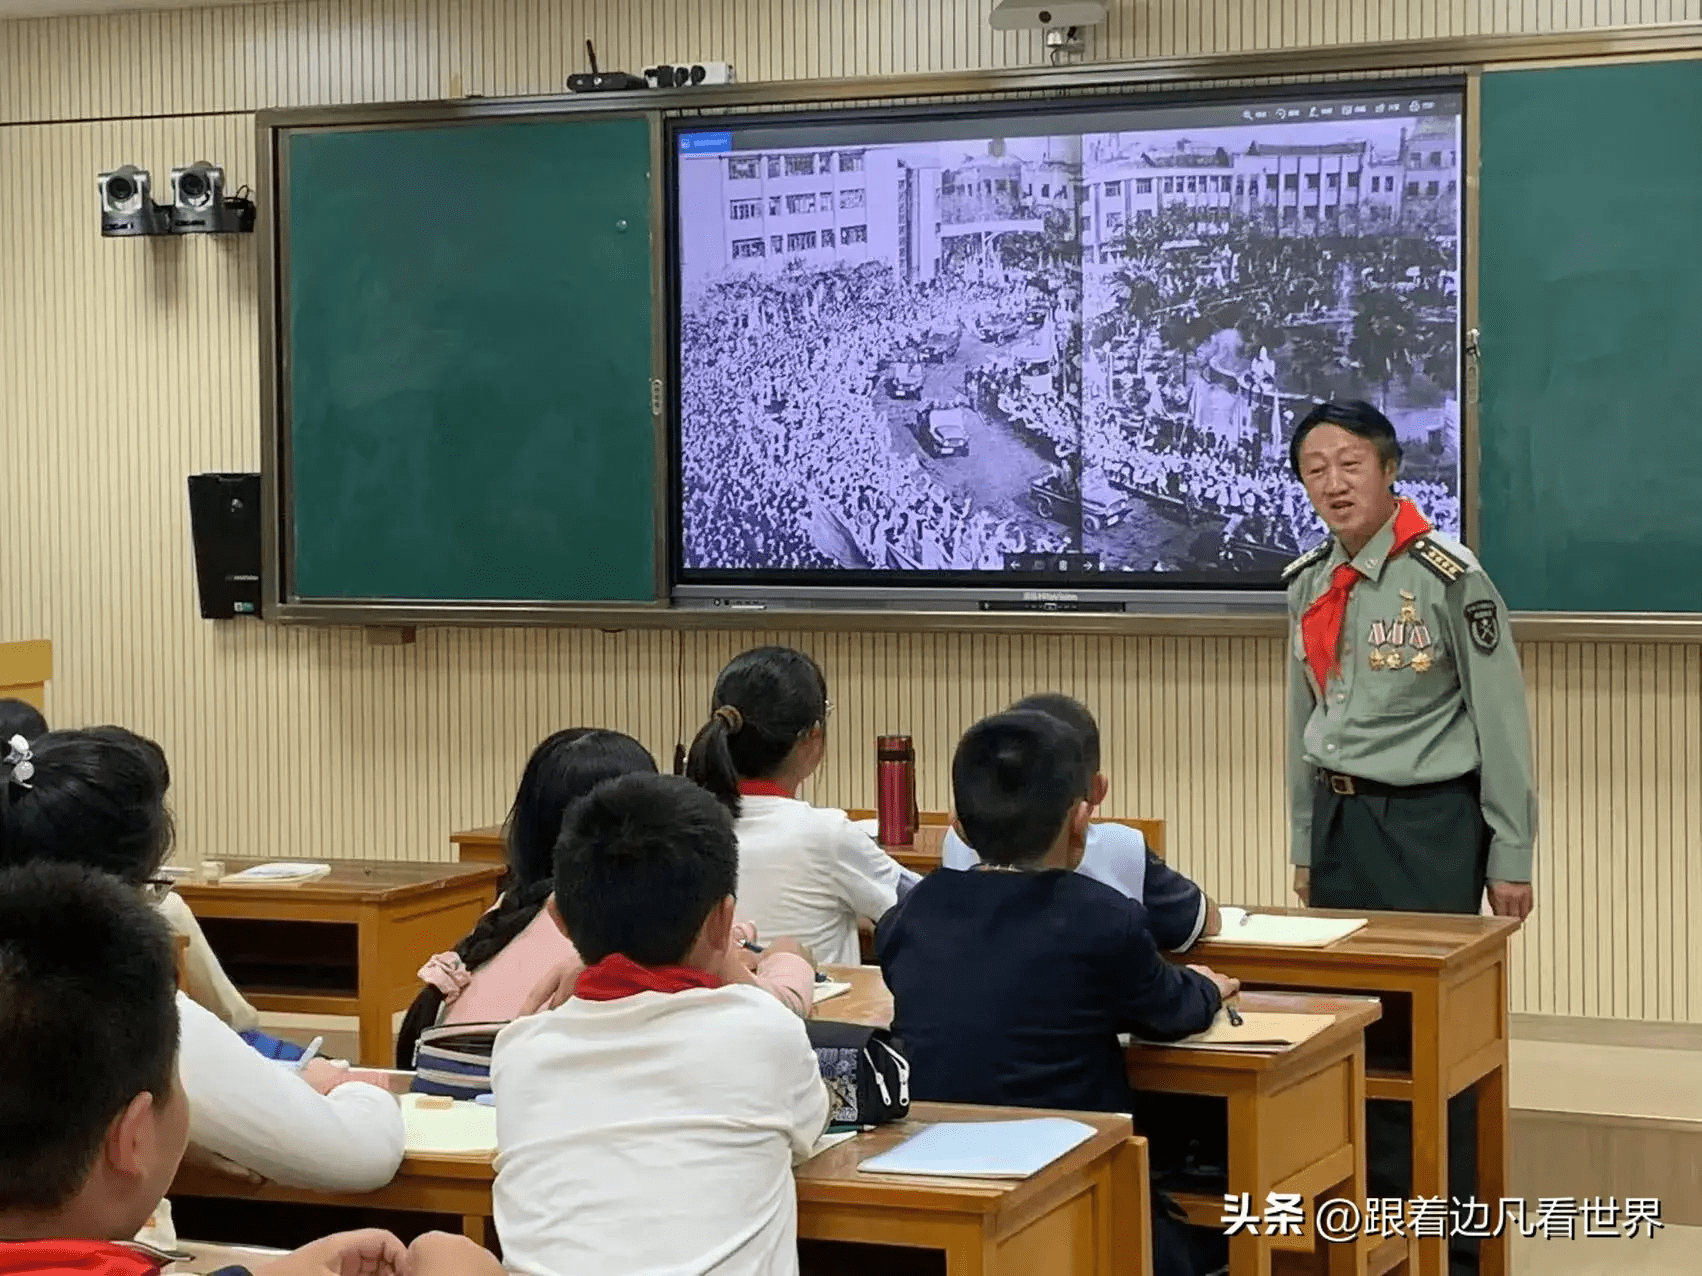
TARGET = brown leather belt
x,y
1357,786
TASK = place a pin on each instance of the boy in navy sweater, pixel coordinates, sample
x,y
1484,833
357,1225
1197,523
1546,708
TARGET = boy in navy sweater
x,y
1012,980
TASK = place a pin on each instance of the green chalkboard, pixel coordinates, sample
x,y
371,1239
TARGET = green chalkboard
x,y
1590,284
466,315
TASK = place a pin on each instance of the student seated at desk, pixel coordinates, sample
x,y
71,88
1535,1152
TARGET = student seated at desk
x,y
203,977
96,798
1177,910
93,1122
804,870
650,1124
490,975
1011,981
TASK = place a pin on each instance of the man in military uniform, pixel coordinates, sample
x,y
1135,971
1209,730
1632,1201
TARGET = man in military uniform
x,y
1408,741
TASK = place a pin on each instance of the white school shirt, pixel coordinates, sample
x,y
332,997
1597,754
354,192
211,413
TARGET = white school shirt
x,y
254,1111
1115,854
654,1135
807,873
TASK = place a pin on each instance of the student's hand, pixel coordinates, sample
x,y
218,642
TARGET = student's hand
x,y
744,933
1511,899
789,945
1303,885
1226,987
324,1075
441,1254
1214,920
366,1253
201,1158
553,989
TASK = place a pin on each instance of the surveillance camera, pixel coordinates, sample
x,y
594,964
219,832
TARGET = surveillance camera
x,y
127,206
200,204
1017,15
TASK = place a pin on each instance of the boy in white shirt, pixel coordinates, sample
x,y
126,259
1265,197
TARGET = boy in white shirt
x,y
651,1123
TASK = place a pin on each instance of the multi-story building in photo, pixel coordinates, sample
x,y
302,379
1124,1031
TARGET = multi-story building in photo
x,y
814,207
1293,188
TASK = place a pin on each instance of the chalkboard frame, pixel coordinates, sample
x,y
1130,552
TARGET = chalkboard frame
x,y
1473,55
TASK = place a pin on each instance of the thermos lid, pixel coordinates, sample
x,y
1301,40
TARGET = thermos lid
x,y
894,748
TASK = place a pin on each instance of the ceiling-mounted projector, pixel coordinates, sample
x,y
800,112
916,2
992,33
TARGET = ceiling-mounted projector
x,y
1019,15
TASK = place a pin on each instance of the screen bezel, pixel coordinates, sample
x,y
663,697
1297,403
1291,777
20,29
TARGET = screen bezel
x,y
923,589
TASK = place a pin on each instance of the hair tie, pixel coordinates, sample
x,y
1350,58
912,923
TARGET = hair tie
x,y
447,973
18,757
726,713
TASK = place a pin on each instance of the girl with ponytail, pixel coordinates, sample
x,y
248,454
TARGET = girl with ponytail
x,y
804,871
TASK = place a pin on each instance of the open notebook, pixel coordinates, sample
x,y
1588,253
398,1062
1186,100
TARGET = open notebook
x,y
282,873
983,1149
830,988
1260,1032
1278,930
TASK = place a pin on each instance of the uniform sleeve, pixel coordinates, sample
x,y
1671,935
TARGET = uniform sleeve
x,y
799,1079
253,1111
1156,1000
1494,688
1175,906
868,877
955,852
1300,779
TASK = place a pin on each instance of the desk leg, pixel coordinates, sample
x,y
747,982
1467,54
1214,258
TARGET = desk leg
x,y
376,1047
1493,1169
1249,1255
1429,1122
1351,1259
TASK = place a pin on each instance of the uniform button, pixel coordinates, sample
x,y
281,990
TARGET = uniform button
x,y
1371,562
1340,697
1330,748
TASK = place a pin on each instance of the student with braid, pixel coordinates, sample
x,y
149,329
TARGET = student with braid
x,y
489,974
803,870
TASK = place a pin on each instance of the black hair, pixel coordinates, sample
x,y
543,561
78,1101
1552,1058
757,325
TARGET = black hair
x,y
562,769
1356,417
642,862
765,701
96,797
19,717
88,1021
1073,714
1015,778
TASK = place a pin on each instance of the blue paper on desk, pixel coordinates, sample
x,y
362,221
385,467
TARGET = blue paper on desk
x,y
983,1149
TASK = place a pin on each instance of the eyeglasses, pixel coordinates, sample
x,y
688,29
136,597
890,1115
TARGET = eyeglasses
x,y
155,889
826,710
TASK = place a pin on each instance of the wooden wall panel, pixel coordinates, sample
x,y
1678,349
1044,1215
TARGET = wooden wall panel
x,y
126,366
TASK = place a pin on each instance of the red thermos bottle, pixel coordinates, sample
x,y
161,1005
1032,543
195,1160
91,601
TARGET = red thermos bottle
x,y
895,773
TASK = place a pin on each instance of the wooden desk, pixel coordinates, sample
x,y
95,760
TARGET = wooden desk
x,y
25,670
392,917
1296,1119
1454,971
1084,1215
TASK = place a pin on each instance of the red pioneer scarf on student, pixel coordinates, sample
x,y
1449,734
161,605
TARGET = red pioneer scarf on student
x,y
1321,626
618,976
73,1258
764,788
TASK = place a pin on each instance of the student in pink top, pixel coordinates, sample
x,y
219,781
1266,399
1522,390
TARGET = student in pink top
x,y
489,975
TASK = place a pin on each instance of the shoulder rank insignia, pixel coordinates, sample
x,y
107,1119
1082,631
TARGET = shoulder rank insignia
x,y
1447,568
1316,554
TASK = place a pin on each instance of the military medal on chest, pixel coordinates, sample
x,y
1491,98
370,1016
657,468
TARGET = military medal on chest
x,y
1390,640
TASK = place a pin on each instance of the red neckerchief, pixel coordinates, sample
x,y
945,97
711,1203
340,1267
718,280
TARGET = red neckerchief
x,y
73,1258
618,976
765,788
1321,626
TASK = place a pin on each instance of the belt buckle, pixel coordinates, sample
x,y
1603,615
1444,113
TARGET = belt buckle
x,y
1342,785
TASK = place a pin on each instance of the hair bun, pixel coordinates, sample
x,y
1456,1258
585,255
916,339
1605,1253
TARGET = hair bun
x,y
731,717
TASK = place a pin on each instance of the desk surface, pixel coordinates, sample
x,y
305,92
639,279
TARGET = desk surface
x,y
1401,941
349,881
869,1002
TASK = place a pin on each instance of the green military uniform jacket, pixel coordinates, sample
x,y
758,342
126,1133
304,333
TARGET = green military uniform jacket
x,y
1429,688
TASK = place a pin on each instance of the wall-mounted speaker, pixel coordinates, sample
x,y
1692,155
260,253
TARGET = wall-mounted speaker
x,y
224,519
